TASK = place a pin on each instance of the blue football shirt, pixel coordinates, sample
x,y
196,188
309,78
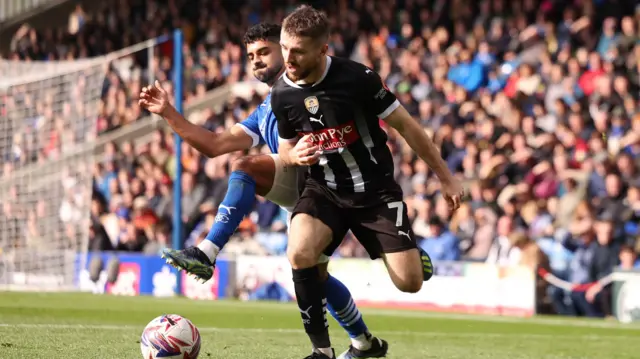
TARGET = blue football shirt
x,y
262,126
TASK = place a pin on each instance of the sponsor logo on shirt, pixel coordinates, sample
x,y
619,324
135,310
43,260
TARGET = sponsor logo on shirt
x,y
333,139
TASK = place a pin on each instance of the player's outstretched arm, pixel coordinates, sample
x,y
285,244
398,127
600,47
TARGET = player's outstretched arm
x,y
422,144
156,100
419,141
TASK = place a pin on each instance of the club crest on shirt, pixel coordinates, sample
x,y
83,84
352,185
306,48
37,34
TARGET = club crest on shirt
x,y
312,104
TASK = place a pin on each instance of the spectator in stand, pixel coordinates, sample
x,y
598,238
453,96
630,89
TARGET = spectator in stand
x,y
77,19
441,244
605,259
629,257
584,247
503,252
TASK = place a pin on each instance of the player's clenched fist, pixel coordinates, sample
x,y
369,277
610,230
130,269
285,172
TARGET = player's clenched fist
x,y
154,99
453,193
305,153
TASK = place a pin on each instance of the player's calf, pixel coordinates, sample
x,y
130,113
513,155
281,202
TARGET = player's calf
x,y
343,308
237,203
390,237
250,175
308,237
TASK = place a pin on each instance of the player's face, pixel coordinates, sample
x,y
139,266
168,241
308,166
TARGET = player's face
x,y
301,55
266,60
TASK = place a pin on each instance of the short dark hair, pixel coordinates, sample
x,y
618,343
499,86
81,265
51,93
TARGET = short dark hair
x,y
308,22
627,248
263,31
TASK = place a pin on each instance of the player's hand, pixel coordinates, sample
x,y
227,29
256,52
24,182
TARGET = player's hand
x,y
453,193
592,292
154,99
305,153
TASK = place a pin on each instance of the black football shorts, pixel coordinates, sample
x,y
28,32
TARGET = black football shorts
x,y
383,227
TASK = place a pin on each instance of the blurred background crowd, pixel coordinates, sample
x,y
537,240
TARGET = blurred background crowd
x,y
534,103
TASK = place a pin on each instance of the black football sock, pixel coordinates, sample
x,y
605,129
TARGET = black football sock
x,y
312,303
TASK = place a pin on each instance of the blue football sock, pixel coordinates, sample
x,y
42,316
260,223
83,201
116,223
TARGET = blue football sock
x,y
237,203
343,308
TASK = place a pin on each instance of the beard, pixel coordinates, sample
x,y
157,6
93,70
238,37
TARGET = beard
x,y
299,75
267,75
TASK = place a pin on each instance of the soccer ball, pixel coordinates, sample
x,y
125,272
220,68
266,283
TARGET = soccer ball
x,y
170,336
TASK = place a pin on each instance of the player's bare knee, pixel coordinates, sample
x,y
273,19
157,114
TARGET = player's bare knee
x,y
409,285
301,258
405,281
260,168
244,164
308,238
405,270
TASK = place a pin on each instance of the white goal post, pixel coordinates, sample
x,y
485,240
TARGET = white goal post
x,y
48,120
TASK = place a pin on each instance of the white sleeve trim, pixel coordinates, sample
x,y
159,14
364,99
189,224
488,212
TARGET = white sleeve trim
x,y
254,136
389,109
295,139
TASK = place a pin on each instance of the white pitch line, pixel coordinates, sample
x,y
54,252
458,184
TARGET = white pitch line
x,y
550,321
408,313
299,331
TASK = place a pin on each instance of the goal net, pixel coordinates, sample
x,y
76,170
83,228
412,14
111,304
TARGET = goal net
x,y
48,115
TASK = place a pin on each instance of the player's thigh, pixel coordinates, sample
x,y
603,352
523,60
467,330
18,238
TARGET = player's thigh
x,y
284,185
308,238
385,232
315,221
262,168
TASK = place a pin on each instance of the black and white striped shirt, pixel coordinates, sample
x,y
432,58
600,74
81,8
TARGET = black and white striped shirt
x,y
341,112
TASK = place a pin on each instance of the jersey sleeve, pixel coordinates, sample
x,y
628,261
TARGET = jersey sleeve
x,y
251,126
286,131
376,94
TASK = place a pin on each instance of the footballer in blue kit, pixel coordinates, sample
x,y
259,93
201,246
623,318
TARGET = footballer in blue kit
x,y
264,175
262,126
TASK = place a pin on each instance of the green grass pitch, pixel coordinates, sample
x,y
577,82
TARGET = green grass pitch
x,y
69,326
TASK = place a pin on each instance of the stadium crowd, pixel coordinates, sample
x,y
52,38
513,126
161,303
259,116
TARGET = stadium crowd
x,y
535,103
